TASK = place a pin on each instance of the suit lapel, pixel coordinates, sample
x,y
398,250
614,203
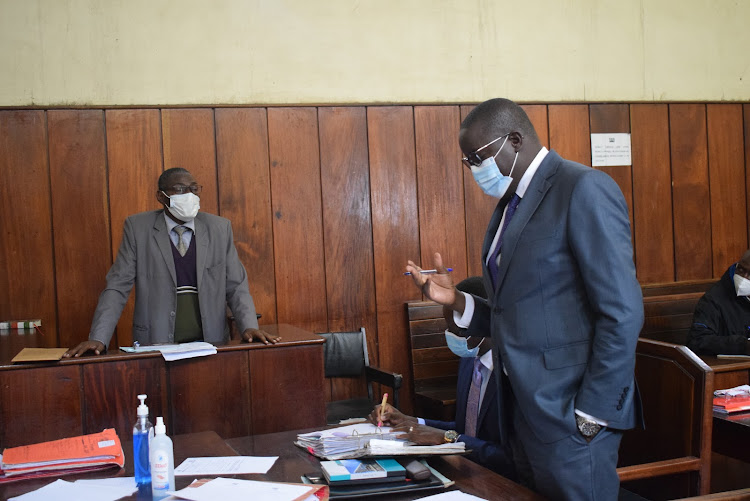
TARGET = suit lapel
x,y
462,397
532,198
161,236
201,236
490,396
489,236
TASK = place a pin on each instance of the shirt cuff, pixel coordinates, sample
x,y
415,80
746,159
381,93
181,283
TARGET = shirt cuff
x,y
420,420
589,416
464,320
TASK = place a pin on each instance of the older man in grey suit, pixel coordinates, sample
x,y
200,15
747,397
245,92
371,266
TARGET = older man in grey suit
x,y
185,269
564,307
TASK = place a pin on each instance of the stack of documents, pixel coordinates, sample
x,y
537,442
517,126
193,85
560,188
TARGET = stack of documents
x,y
229,489
172,352
69,455
735,399
366,440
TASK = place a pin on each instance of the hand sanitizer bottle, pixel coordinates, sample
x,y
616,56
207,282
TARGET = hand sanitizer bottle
x,y
162,461
143,432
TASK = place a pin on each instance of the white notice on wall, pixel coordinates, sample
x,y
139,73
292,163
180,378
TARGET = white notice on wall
x,y
610,149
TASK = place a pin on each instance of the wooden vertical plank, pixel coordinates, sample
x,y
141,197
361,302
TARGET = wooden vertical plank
x,y
189,142
442,224
652,193
350,280
395,230
478,208
691,202
135,163
608,118
298,225
569,131
46,405
27,276
245,198
726,169
746,113
78,173
537,113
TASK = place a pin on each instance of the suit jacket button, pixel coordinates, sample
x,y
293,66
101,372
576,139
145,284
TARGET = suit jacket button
x,y
626,389
619,407
171,313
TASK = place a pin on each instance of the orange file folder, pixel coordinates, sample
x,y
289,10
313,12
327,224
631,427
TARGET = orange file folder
x,y
98,449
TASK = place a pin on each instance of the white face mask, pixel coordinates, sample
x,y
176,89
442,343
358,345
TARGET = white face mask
x,y
489,177
741,285
185,206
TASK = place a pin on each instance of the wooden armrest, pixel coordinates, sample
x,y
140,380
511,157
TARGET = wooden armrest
x,y
390,379
659,468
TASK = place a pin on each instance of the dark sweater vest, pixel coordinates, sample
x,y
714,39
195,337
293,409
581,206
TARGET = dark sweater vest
x,y
187,325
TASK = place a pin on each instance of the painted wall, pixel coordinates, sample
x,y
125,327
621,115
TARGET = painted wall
x,y
172,52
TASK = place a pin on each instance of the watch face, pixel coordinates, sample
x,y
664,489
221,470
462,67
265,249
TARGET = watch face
x,y
451,436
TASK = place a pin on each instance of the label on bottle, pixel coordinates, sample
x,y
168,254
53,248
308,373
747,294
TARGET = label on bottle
x,y
160,470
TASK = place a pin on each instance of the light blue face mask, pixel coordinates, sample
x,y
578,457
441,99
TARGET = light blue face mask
x,y
489,177
459,345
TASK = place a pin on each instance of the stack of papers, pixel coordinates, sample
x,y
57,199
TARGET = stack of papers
x,y
228,489
84,453
735,399
172,352
366,440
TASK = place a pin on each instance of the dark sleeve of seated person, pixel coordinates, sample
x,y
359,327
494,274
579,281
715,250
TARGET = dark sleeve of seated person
x,y
721,321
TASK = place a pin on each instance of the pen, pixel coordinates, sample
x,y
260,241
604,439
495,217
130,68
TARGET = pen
x,y
427,272
382,409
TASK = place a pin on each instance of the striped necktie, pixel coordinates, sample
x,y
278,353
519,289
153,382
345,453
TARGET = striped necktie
x,y
492,264
181,247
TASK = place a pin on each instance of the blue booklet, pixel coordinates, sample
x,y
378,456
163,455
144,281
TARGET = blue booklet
x,y
363,471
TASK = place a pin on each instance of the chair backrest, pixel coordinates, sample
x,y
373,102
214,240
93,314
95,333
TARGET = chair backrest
x,y
345,353
676,390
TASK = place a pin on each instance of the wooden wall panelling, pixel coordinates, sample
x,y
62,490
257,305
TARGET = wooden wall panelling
x,y
478,208
691,201
297,224
726,172
27,276
442,223
608,118
105,408
347,231
652,193
189,142
202,388
245,198
40,402
569,131
395,230
746,113
134,157
78,174
537,113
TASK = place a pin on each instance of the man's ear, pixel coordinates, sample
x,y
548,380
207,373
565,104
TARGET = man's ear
x,y
162,198
516,140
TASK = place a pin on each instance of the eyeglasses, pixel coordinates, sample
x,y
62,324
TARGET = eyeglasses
x,y
473,158
181,189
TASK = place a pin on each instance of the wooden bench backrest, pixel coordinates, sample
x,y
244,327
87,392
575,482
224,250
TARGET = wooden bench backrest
x,y
675,388
433,364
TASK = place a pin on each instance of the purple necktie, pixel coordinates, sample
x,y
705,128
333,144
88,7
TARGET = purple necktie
x,y
472,405
492,264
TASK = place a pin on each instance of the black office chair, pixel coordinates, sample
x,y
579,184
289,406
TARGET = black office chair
x,y
345,355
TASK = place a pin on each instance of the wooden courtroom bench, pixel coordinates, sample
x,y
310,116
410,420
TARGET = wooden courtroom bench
x,y
668,314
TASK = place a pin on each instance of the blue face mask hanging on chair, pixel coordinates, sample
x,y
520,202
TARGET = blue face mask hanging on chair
x,y
459,345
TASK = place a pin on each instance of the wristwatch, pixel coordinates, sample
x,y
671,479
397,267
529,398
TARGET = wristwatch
x,y
588,427
450,436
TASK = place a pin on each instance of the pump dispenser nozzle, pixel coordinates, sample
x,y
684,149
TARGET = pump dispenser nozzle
x,y
143,408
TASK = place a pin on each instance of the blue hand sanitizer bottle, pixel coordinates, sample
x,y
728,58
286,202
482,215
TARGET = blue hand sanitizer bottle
x,y
143,432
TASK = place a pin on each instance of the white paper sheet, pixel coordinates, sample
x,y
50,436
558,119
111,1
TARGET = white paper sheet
x,y
60,490
227,489
452,496
228,465
121,482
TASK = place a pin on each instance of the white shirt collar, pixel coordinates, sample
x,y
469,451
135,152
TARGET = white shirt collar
x,y
171,223
523,184
486,359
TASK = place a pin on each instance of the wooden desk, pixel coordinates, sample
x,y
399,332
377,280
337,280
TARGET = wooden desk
x,y
294,462
731,435
245,388
728,372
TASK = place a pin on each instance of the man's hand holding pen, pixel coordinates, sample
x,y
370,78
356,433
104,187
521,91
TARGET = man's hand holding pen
x,y
437,284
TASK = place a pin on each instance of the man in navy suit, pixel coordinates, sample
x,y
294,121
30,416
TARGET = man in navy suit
x,y
482,436
564,309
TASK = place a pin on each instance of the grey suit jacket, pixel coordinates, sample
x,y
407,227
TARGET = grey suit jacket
x,y
145,259
567,309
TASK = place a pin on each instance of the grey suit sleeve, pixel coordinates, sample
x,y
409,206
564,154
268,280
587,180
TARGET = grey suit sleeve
x,y
120,280
599,237
238,292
